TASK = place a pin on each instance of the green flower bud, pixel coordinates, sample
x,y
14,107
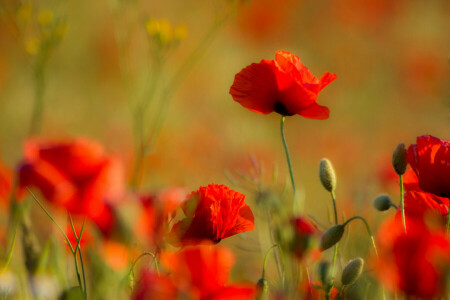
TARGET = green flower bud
x,y
352,271
327,175
399,159
332,236
382,202
262,287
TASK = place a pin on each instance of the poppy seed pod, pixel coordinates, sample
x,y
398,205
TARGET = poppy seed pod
x,y
327,175
352,271
382,202
399,161
332,236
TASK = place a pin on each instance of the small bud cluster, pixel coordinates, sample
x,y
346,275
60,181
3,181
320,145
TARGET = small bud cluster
x,y
163,35
48,31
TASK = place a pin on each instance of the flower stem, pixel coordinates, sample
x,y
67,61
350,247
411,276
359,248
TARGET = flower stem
x,y
74,251
368,230
37,112
286,150
333,197
402,203
265,259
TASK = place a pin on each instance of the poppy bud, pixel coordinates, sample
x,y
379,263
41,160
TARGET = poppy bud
x,y
352,271
331,236
327,175
399,161
262,287
382,202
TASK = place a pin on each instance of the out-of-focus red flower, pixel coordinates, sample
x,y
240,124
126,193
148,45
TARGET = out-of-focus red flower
x,y
419,204
5,183
414,262
202,272
157,210
315,291
366,15
213,213
430,159
152,286
283,85
303,237
116,255
264,19
76,175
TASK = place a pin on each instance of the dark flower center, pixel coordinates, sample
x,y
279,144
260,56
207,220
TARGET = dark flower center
x,y
281,109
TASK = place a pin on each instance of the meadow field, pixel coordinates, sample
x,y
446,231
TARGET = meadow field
x,y
226,149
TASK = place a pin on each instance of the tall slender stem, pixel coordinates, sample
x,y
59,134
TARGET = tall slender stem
x,y
333,197
37,112
265,259
368,230
402,203
286,150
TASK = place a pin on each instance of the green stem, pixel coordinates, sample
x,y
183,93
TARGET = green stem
x,y
82,271
265,259
139,123
368,230
51,218
333,197
74,251
286,150
179,76
78,248
78,273
10,252
155,260
37,112
402,203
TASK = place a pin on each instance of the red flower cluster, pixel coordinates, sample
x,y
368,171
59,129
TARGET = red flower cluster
x,y
414,262
430,159
212,213
197,273
283,85
75,175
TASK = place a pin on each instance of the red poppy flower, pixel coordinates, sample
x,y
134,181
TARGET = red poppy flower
x,y
303,237
202,272
213,213
283,85
75,175
414,262
418,204
430,159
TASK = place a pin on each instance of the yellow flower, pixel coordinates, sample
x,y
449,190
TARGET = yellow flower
x,y
45,17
